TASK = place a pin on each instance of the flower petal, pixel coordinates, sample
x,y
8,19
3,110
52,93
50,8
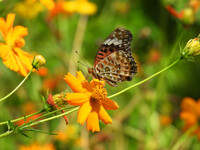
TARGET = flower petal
x,y
49,4
93,122
18,32
11,62
198,107
2,27
86,85
4,50
96,82
80,76
77,99
108,104
74,83
83,112
10,20
25,59
103,116
188,117
86,8
188,103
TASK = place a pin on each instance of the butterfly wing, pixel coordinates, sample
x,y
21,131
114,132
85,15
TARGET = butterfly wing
x,y
119,39
117,67
114,62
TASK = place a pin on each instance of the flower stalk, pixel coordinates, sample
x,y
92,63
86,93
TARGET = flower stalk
x,y
136,84
5,97
35,122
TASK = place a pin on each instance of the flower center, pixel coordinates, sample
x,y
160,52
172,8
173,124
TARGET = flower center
x,y
19,42
98,94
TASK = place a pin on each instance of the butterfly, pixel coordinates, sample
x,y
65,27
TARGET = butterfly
x,y
114,62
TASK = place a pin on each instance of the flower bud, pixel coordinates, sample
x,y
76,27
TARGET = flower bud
x,y
188,16
192,48
38,61
59,100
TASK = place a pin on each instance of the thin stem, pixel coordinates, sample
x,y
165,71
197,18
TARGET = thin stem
x,y
2,123
30,122
15,120
50,118
134,85
17,86
6,133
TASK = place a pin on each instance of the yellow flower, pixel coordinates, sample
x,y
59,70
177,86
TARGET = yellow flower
x,y
188,16
82,7
92,99
10,50
190,114
192,48
28,8
49,4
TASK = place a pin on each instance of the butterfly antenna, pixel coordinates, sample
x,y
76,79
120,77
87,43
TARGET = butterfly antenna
x,y
82,64
82,60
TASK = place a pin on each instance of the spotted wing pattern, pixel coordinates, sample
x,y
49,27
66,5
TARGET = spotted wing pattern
x,y
114,62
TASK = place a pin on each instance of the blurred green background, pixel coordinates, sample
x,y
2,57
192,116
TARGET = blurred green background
x,y
138,123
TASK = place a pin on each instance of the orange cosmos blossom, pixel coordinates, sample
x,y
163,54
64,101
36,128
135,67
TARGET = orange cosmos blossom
x,y
10,51
190,114
92,99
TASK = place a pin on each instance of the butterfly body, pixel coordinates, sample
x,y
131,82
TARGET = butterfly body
x,y
114,62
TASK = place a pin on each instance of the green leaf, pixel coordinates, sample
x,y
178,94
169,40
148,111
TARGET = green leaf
x,y
19,131
46,107
35,130
11,125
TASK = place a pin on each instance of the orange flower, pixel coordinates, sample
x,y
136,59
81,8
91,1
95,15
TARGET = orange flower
x,y
165,120
190,114
92,99
36,146
10,51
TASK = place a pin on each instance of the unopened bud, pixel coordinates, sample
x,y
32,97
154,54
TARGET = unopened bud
x,y
192,48
38,61
188,16
59,100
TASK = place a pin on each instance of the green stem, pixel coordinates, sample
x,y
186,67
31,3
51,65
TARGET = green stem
x,y
15,120
32,123
50,118
6,133
17,86
134,85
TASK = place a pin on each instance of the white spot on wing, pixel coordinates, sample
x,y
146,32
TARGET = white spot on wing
x,y
106,41
112,41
